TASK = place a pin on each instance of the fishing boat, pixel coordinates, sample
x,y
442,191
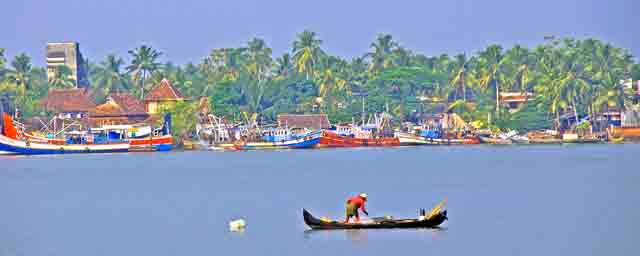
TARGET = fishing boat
x,y
100,140
375,223
408,139
305,140
331,139
376,132
520,139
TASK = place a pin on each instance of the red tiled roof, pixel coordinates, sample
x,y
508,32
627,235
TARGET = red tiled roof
x,y
164,92
119,105
313,121
517,97
68,100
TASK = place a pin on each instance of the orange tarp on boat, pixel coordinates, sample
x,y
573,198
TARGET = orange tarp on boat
x,y
9,130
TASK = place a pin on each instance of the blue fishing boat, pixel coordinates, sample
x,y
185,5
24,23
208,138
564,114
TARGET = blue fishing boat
x,y
281,141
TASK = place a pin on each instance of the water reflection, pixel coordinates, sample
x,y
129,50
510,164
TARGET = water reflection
x,y
357,236
361,236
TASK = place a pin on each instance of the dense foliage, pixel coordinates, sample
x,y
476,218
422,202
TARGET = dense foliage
x,y
581,77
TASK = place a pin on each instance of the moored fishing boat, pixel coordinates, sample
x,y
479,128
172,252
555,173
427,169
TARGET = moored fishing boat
x,y
306,140
408,139
377,132
331,139
99,140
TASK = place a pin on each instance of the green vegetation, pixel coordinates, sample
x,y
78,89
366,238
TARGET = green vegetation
x,y
567,76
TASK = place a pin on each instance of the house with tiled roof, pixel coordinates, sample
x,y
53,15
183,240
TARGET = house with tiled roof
x,y
162,95
68,103
310,121
119,108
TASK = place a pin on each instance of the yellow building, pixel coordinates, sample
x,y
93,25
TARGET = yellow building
x,y
162,95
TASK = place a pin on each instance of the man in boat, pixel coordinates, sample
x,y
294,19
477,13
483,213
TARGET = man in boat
x,y
353,204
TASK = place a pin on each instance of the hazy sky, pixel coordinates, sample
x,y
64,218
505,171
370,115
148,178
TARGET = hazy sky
x,y
187,30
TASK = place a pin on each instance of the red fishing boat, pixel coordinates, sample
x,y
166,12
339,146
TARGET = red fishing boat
x,y
332,139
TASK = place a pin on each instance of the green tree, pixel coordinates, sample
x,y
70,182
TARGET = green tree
x,y
461,76
636,72
283,66
62,78
143,64
21,65
108,76
381,54
306,53
183,118
3,62
491,61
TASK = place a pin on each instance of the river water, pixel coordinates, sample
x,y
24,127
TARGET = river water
x,y
513,200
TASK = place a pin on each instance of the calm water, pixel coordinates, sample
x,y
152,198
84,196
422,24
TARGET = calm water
x,y
528,200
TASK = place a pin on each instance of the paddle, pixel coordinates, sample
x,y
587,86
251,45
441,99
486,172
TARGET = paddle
x,y
435,211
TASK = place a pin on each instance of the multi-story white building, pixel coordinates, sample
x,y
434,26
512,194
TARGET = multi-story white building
x,y
67,54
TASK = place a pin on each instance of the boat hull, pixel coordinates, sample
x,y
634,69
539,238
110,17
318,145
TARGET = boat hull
x,y
315,223
308,141
20,147
330,139
159,143
407,139
495,141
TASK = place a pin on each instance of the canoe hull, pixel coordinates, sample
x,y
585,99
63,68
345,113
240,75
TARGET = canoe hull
x,y
496,141
315,223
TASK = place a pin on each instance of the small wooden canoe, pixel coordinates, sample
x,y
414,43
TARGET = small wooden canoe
x,y
377,223
616,139
493,140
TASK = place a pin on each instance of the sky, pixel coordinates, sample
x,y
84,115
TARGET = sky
x,y
187,30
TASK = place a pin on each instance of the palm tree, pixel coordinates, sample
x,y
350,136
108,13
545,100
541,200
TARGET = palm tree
x,y
283,65
62,78
306,52
401,57
491,61
109,77
382,50
144,63
460,75
2,63
223,63
21,65
259,58
517,60
330,86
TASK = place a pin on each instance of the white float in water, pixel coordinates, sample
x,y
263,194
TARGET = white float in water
x,y
237,225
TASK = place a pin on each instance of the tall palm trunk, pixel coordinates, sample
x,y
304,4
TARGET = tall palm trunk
x,y
464,89
575,112
142,86
402,109
497,99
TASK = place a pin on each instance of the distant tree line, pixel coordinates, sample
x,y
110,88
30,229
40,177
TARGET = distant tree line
x,y
566,75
